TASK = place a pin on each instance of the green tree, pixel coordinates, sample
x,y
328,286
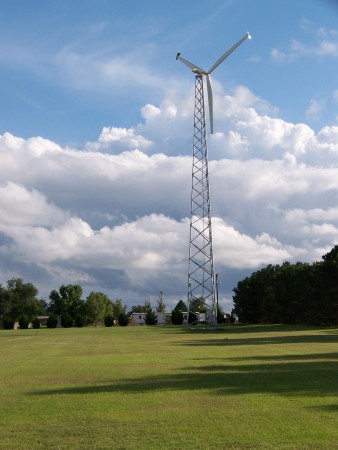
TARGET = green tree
x,y
43,307
24,322
123,319
247,300
109,320
118,308
67,301
176,317
52,321
220,314
98,306
8,323
137,309
141,308
293,293
67,320
331,256
150,318
327,307
18,299
36,323
181,306
80,320
198,305
290,293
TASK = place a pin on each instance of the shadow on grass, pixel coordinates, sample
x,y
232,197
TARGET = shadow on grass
x,y
309,377
328,337
289,357
313,374
328,408
244,329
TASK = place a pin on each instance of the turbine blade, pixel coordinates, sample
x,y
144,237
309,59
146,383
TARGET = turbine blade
x,y
211,106
192,66
228,52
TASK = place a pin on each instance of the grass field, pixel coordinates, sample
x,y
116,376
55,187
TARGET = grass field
x,y
263,387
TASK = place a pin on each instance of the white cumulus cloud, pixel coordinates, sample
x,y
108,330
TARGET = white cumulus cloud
x,y
114,215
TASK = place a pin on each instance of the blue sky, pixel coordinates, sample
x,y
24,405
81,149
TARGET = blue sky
x,y
57,82
96,120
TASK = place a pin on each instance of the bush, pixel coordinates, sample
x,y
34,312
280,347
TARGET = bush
x,y
109,320
176,317
36,323
66,320
150,318
24,322
52,321
192,318
123,320
8,323
80,321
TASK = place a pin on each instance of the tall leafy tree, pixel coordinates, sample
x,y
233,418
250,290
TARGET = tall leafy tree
x,y
67,301
290,293
328,307
141,308
246,305
19,300
98,306
118,308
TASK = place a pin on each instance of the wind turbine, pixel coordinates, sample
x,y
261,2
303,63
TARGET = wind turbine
x,y
201,276
200,72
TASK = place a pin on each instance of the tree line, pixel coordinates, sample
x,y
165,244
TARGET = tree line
x,y
299,293
287,293
19,303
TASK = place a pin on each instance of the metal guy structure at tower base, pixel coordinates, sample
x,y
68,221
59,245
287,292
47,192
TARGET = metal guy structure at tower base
x,y
201,276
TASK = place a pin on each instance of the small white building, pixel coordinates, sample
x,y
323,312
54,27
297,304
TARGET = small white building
x,y
138,318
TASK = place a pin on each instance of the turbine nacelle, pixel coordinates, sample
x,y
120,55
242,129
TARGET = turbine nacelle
x,y
200,72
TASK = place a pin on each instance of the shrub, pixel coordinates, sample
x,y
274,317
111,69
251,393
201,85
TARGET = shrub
x,y
36,323
24,322
66,320
80,321
192,318
8,323
150,318
109,320
123,320
176,317
52,321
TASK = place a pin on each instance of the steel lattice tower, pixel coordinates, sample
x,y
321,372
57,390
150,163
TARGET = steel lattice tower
x,y
201,278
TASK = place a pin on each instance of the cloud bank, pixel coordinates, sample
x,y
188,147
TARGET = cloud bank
x,y
113,215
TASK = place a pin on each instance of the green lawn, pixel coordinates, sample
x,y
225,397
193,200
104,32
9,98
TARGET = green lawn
x,y
264,387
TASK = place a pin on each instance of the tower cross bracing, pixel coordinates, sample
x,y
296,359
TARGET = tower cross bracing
x,y
201,277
